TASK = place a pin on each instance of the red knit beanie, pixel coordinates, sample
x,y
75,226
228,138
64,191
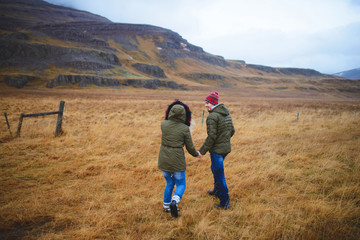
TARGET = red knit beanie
x,y
213,98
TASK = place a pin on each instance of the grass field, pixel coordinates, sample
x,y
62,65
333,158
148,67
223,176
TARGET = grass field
x,y
287,179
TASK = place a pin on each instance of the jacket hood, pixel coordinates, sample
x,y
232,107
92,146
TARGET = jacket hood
x,y
177,113
221,109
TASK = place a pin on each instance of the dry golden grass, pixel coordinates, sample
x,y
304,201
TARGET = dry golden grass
x,y
99,180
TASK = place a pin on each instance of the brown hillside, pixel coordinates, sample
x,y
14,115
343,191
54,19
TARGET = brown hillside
x,y
44,45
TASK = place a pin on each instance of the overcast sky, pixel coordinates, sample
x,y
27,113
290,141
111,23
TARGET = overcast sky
x,y
320,34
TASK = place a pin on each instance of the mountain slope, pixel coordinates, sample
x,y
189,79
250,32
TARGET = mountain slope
x,y
46,45
27,13
350,74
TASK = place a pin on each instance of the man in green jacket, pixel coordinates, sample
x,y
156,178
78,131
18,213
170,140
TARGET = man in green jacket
x,y
220,129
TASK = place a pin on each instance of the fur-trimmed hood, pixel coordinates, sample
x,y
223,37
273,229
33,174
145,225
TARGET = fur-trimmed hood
x,y
187,116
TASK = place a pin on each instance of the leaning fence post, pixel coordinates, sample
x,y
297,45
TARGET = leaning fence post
x,y
19,126
8,124
202,121
59,119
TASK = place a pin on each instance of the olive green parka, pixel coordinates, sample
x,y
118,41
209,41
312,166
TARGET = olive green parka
x,y
220,129
175,134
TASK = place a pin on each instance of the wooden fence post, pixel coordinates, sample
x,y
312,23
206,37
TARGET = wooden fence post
x,y
202,120
19,126
59,119
8,124
60,114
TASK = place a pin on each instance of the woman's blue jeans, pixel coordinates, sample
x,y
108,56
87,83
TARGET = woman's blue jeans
x,y
220,187
172,179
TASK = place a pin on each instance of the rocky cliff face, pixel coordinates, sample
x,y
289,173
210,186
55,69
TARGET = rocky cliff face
x,y
79,32
204,76
87,80
17,53
18,81
152,70
300,71
286,71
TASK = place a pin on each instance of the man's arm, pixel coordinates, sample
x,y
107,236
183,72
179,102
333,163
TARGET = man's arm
x,y
232,128
211,125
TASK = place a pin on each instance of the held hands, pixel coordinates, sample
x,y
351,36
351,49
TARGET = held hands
x,y
199,156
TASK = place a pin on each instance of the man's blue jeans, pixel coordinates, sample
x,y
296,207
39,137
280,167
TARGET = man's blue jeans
x,y
220,187
172,179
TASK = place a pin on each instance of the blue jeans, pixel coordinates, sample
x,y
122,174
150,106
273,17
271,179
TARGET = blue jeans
x,y
172,179
220,187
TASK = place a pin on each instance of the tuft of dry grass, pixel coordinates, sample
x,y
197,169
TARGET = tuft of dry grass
x,y
287,179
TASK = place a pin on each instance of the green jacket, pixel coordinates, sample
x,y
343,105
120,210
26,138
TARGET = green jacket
x,y
175,134
220,129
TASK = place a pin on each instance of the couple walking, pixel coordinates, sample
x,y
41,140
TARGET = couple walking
x,y
176,133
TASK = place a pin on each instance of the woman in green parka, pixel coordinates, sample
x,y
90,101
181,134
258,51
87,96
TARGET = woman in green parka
x,y
175,134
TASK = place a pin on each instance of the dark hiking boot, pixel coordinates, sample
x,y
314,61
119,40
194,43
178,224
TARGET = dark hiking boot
x,y
169,210
174,209
225,207
213,193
